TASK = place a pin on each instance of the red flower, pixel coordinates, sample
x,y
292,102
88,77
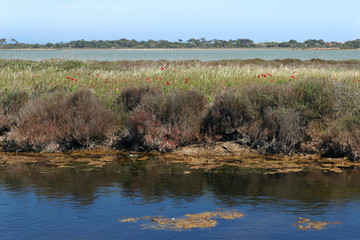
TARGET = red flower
x,y
258,76
185,82
89,73
68,77
160,78
78,73
75,79
106,81
251,69
162,68
97,74
167,83
93,85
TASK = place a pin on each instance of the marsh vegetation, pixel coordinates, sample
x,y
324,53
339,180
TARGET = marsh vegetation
x,y
280,106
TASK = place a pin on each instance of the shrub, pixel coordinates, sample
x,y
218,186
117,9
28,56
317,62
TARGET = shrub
x,y
164,121
68,121
12,101
131,97
256,116
4,124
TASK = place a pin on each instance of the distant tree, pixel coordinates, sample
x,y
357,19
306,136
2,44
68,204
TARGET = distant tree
x,y
14,41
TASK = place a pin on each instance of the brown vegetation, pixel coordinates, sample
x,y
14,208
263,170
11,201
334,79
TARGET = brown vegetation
x,y
62,122
163,121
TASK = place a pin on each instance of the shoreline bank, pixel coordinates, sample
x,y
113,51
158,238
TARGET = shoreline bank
x,y
222,156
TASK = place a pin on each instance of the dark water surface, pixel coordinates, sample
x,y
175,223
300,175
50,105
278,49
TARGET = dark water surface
x,y
179,54
44,202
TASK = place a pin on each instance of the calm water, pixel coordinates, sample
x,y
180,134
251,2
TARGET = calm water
x,y
180,54
42,202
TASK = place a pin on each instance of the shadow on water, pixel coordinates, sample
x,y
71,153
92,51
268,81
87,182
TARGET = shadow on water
x,y
154,181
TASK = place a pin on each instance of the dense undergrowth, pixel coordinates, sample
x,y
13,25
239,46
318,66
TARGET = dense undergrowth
x,y
316,109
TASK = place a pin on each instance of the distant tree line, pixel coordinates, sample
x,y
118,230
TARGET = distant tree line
x,y
191,43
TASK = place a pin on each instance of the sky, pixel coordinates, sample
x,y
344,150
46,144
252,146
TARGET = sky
x,y
42,21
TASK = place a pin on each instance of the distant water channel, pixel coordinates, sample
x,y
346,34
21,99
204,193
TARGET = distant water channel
x,y
179,54
43,202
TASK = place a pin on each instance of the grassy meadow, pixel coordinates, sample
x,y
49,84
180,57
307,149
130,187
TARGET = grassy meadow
x,y
279,106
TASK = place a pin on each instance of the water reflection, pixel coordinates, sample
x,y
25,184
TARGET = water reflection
x,y
151,182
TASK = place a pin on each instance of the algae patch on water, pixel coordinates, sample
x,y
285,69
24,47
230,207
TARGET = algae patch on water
x,y
306,224
198,220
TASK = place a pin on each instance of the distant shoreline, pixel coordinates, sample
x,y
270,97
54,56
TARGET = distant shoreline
x,y
167,49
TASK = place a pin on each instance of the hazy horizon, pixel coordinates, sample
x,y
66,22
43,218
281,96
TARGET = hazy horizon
x,y
41,21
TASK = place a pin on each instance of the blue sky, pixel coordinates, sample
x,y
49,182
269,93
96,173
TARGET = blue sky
x,y
45,21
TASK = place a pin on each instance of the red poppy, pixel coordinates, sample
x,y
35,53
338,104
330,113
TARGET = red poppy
x,y
89,73
75,79
185,82
97,74
258,76
167,83
72,79
106,81
68,77
160,78
162,68
251,69
93,85
78,73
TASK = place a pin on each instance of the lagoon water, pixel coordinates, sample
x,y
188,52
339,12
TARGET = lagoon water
x,y
43,202
179,54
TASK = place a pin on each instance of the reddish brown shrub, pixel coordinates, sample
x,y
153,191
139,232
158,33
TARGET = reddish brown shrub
x,y
164,121
69,121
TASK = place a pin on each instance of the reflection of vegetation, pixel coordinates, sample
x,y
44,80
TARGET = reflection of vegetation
x,y
155,181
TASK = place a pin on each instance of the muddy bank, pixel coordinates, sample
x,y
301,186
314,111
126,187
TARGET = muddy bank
x,y
224,156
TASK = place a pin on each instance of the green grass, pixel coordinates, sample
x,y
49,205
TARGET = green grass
x,y
209,78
